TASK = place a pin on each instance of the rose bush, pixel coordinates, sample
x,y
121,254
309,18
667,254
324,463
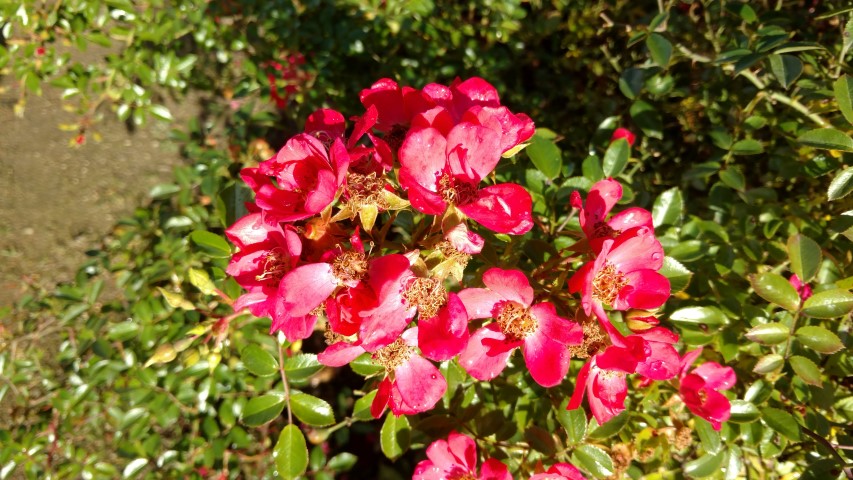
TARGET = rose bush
x,y
668,248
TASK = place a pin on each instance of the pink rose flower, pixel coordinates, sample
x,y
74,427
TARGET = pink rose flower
x,y
456,458
536,329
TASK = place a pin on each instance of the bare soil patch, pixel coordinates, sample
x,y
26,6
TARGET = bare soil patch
x,y
57,201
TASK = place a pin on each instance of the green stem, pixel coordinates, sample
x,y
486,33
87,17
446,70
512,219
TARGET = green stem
x,y
791,333
784,99
284,382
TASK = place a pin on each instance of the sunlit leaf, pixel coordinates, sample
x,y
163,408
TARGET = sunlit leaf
x,y
395,435
290,453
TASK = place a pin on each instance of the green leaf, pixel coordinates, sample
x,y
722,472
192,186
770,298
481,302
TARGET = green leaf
x,y
364,365
769,333
660,49
841,185
176,300
311,410
631,82
301,366
709,437
540,440
819,339
263,409
827,139
843,89
124,331
201,280
212,244
775,289
616,157
132,469
733,178
161,112
743,411
668,208
829,304
677,274
610,427
545,154
574,421
594,460
747,147
786,68
769,363
361,409
163,190
704,466
291,453
647,118
395,436
259,361
703,318
781,421
591,168
342,462
805,256
806,370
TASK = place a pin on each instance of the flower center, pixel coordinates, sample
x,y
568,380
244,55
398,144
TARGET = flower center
x,y
349,267
603,230
273,266
451,253
456,192
330,336
594,339
365,190
607,283
393,355
427,295
460,474
515,321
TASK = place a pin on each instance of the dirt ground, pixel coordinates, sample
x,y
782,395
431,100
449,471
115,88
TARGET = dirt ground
x,y
57,201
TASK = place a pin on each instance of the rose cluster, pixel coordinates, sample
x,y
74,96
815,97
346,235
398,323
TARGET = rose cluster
x,y
624,275
323,240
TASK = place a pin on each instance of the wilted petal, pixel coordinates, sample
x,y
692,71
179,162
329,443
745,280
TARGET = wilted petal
x,y
465,240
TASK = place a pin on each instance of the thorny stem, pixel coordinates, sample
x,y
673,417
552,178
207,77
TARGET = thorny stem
x,y
772,96
848,470
783,99
284,382
791,332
